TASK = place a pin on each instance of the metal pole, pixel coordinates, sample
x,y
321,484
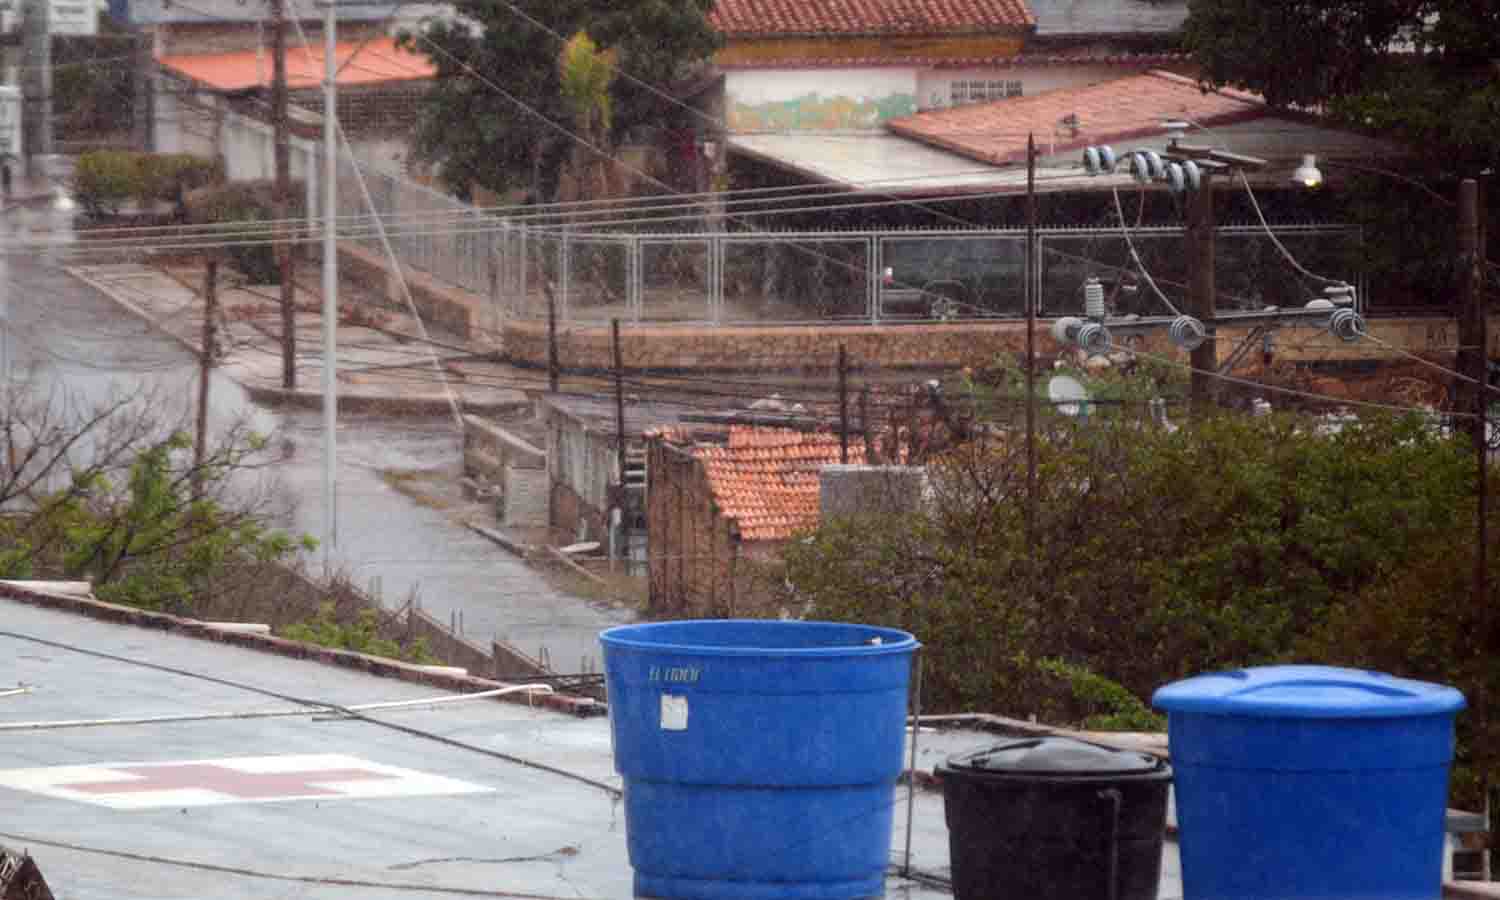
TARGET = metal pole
x,y
614,330
1200,253
283,179
911,771
843,406
1473,361
205,368
1031,305
330,281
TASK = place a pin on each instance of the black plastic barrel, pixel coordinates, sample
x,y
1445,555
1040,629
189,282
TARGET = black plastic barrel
x,y
1053,817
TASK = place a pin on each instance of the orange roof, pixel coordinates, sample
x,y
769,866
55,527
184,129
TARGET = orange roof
x,y
374,62
766,479
1117,110
824,18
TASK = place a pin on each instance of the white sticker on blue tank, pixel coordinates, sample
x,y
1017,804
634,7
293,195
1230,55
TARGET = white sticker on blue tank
x,y
674,713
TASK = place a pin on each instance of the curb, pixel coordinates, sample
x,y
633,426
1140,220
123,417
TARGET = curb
x,y
524,551
355,402
582,707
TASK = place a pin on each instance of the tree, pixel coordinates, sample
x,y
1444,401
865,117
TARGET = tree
x,y
477,135
1420,71
110,491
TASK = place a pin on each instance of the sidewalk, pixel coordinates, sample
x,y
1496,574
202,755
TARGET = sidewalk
x,y
383,364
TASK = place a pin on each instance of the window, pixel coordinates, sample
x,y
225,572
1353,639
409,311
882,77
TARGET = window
x,y
977,91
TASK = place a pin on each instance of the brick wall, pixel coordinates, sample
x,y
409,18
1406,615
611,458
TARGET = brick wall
x,y
951,345
567,511
698,565
191,38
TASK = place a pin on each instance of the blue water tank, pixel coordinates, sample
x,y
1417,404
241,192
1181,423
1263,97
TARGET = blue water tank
x,y
760,758
1310,782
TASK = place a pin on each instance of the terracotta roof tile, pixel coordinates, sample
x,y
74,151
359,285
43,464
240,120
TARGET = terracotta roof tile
x,y
1137,60
766,479
377,61
1116,110
799,18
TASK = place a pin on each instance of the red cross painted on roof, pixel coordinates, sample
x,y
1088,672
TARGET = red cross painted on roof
x,y
224,780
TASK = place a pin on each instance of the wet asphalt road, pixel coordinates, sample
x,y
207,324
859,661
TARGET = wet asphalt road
x,y
71,337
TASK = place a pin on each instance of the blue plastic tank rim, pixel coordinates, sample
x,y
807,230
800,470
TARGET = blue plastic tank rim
x,y
1305,691
714,637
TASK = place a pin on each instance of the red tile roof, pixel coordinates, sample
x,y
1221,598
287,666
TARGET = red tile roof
x,y
373,62
1117,110
1009,61
766,479
826,18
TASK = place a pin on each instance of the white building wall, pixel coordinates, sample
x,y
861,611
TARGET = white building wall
x,y
935,86
759,100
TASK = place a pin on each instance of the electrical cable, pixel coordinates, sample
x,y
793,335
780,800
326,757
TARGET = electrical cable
x,y
345,711
1140,266
1255,204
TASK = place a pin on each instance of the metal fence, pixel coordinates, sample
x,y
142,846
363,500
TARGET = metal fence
x,y
739,277
895,276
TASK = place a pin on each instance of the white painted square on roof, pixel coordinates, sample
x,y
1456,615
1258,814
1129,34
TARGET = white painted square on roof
x,y
248,779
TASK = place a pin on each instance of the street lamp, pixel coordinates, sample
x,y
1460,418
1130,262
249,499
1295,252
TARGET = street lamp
x,y
1308,174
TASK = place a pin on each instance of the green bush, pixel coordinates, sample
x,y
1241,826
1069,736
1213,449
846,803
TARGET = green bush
x,y
105,180
362,635
244,202
1158,555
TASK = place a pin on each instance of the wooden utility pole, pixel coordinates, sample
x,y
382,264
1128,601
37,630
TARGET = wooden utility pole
x,y
205,370
1473,362
1029,299
284,247
1203,390
620,455
843,406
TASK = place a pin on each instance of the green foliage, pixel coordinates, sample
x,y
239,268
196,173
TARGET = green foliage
x,y
104,181
362,635
245,201
478,136
1158,555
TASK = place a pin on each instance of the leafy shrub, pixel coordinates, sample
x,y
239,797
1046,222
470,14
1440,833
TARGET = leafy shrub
x,y
362,635
244,202
1158,555
104,180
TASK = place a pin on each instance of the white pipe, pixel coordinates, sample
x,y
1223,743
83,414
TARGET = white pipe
x,y
241,627
273,714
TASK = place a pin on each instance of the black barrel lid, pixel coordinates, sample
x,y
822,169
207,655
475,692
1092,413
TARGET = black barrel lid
x,y
1055,756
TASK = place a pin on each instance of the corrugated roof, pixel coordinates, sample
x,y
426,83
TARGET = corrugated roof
x,y
378,61
766,479
804,18
1116,110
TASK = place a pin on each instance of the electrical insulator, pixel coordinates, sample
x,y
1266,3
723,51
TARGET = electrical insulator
x,y
1091,337
1093,299
1340,294
1192,175
1176,180
1187,332
1346,325
1099,160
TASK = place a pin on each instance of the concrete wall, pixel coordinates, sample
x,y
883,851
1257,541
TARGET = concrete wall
x,y
869,490
524,496
934,86
503,458
947,345
818,100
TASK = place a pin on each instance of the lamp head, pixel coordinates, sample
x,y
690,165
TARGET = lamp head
x,y
1308,174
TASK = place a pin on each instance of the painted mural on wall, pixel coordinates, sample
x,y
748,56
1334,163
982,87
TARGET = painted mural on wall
x,y
815,112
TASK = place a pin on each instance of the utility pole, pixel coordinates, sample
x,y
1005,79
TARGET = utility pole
x,y
843,406
205,370
1473,361
552,365
614,331
330,282
1029,299
140,100
36,82
1468,396
1203,389
283,191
